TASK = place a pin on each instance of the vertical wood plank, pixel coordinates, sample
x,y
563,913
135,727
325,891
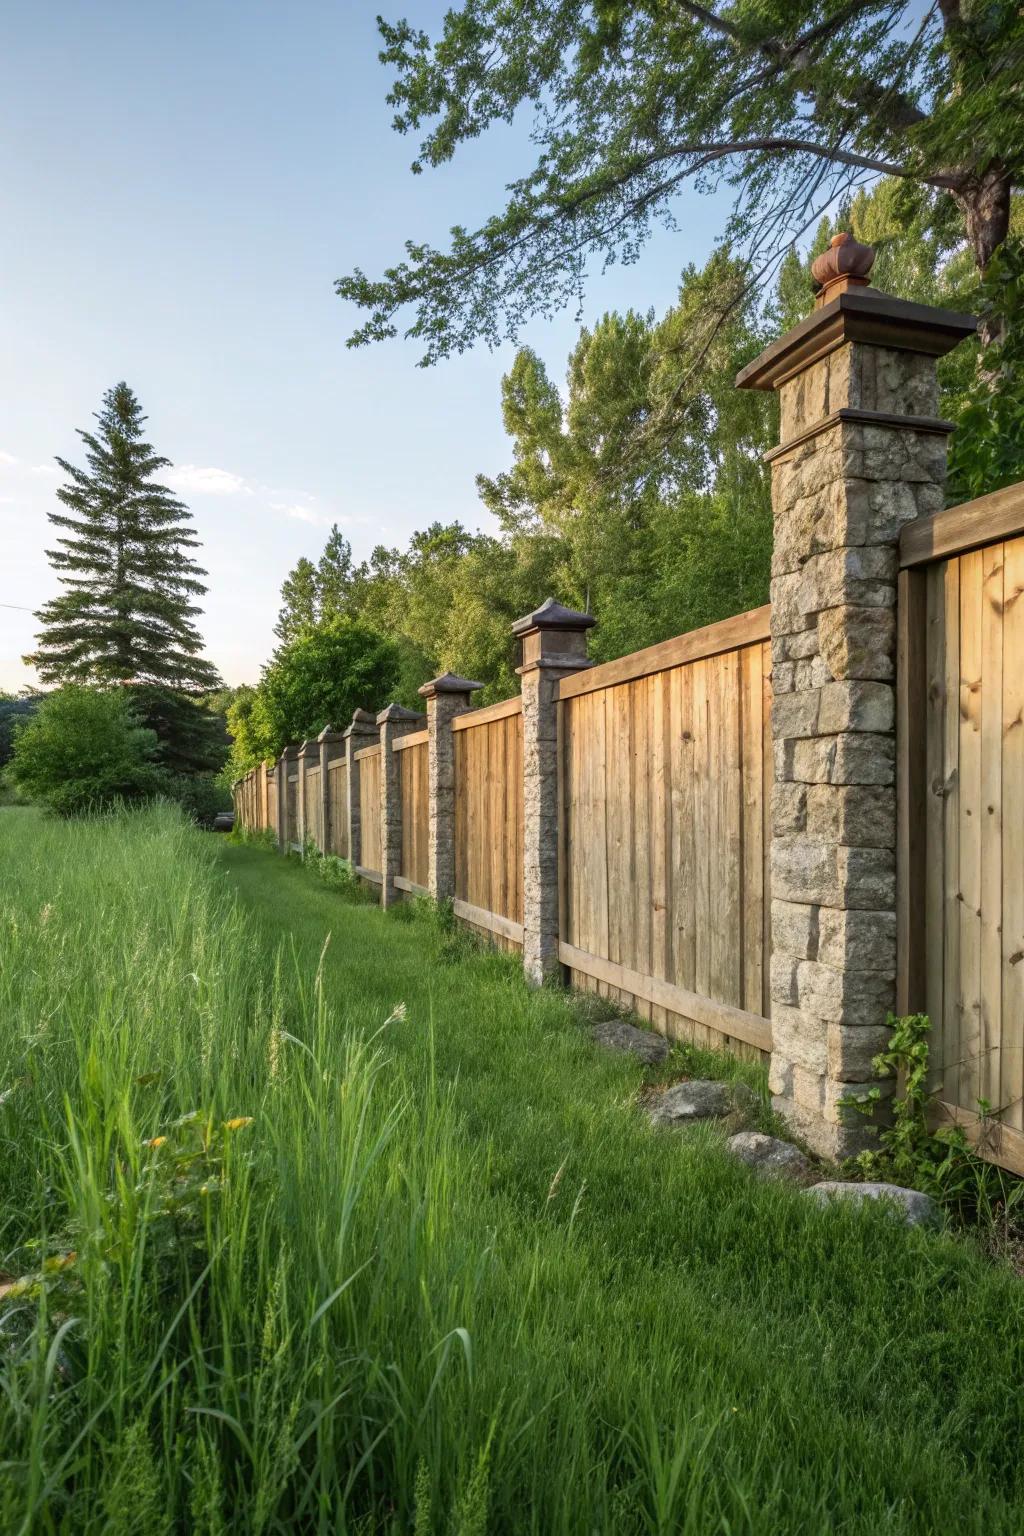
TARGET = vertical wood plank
x,y
969,1041
1011,1055
752,852
934,870
911,798
951,997
990,823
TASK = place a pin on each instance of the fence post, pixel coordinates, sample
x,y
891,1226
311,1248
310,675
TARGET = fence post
x,y
361,733
392,722
288,808
862,452
307,749
554,646
446,696
327,739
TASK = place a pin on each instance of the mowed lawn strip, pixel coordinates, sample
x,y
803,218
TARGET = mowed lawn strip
x,y
448,1276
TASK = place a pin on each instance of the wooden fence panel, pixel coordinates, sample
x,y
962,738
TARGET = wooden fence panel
x,y
971,851
666,781
272,804
489,820
337,793
412,770
369,808
292,809
314,808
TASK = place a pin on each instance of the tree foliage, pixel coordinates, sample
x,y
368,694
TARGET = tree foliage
x,y
127,612
791,104
84,749
318,679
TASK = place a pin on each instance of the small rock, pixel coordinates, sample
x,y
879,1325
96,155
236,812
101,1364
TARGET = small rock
x,y
686,1102
768,1156
617,1035
917,1209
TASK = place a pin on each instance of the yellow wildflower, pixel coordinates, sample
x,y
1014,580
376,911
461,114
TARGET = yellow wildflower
x,y
155,1141
238,1123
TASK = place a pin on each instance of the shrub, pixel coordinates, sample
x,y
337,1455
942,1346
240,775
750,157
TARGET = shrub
x,y
200,795
84,750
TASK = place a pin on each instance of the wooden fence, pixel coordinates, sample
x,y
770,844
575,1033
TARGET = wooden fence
x,y
665,774
412,770
489,820
962,808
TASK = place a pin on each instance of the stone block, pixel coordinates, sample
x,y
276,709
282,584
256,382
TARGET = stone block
x,y
790,613
789,809
856,705
835,1110
858,940
795,929
783,979
809,1084
858,642
800,1037
863,815
795,647
863,759
865,878
859,574
780,1074
844,996
804,870
852,1050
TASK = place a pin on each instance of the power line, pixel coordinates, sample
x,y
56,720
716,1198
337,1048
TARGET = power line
x,y
18,606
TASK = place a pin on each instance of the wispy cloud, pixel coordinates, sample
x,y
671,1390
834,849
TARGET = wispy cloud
x,y
7,458
45,471
207,480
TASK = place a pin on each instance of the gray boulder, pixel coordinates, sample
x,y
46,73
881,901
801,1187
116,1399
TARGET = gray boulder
x,y
768,1156
915,1208
617,1035
685,1103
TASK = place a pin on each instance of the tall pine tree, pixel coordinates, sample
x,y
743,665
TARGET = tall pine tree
x,y
127,612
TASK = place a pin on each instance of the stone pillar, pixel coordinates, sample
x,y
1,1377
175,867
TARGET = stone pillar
x,y
862,453
446,696
361,733
328,740
554,646
307,751
393,722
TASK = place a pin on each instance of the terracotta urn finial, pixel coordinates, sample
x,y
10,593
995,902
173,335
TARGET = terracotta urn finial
x,y
846,264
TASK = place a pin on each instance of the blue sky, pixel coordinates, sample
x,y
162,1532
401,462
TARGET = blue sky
x,y
181,185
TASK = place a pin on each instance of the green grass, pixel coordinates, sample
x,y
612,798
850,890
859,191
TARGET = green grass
x,y
447,1280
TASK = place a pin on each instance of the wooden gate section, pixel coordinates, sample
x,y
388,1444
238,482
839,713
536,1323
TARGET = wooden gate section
x,y
961,805
412,753
489,820
369,812
666,784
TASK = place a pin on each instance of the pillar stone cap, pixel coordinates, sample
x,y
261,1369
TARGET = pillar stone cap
x,y
448,682
858,314
329,734
552,615
306,747
363,724
397,712
291,750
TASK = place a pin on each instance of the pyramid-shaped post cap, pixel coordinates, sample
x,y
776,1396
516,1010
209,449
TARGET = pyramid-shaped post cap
x,y
448,682
306,746
396,713
329,734
552,615
362,723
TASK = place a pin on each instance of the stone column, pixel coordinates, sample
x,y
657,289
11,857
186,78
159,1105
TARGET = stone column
x,y
862,453
307,751
554,646
393,722
328,740
361,733
446,696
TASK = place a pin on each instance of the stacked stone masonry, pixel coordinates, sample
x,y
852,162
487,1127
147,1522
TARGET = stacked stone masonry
x,y
841,495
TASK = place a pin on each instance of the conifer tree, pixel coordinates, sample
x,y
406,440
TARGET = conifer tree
x,y
127,612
